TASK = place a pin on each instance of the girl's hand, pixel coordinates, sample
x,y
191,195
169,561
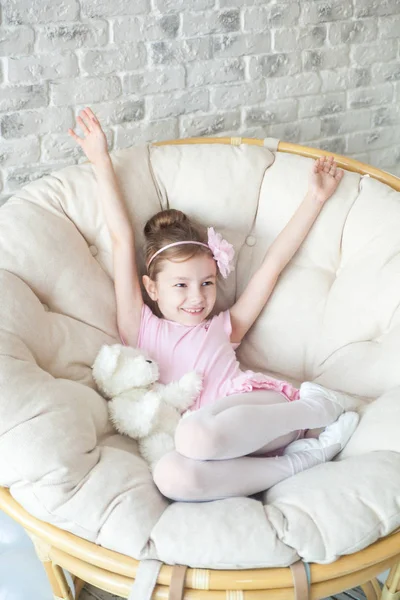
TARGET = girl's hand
x,y
94,142
324,179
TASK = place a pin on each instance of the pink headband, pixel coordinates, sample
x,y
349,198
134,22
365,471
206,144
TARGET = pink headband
x,y
222,251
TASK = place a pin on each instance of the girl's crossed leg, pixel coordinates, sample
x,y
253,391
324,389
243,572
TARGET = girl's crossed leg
x,y
217,446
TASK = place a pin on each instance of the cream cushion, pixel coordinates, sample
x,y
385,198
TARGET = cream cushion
x,y
333,318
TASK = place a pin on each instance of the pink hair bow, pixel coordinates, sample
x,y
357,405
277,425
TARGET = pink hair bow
x,y
222,250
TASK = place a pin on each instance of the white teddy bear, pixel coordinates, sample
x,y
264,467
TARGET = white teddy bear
x,y
139,406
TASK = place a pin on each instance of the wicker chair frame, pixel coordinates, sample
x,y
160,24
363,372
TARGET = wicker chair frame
x,y
115,573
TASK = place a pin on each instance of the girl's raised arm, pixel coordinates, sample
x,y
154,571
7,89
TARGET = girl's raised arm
x,y
325,178
126,279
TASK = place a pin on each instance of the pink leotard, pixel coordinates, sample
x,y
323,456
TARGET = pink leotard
x,y
205,348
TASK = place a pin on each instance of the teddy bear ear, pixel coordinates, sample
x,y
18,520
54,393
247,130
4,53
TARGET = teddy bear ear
x,y
106,362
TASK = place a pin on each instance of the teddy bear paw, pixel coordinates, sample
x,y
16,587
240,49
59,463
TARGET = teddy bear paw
x,y
192,384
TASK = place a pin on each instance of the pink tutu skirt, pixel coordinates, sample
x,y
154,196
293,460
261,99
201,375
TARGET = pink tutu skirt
x,y
248,381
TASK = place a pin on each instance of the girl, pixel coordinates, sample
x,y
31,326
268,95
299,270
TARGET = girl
x,y
247,435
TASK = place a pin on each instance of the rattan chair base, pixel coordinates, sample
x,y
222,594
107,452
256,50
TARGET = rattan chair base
x,y
115,573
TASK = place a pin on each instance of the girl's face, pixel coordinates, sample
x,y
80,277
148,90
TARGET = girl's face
x,y
185,291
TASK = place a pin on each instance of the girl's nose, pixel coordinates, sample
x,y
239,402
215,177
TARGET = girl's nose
x,y
195,295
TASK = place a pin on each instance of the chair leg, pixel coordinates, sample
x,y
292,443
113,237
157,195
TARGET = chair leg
x,y
391,589
55,574
78,584
372,589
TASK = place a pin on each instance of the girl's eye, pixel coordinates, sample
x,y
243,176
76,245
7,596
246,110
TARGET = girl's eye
x,y
180,285
207,283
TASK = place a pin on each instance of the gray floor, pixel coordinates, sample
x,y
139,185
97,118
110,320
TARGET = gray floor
x,y
91,593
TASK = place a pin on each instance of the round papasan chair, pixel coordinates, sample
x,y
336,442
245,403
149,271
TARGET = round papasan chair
x,y
84,494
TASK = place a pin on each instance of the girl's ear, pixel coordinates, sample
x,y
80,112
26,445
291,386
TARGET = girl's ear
x,y
151,287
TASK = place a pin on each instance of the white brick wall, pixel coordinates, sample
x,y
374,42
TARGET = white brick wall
x,y
317,72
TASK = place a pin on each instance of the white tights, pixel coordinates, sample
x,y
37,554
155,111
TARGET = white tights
x,y
218,446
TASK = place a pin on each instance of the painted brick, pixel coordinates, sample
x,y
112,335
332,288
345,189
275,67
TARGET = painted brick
x,y
274,65
29,69
385,115
208,22
312,36
271,16
285,40
361,98
85,90
149,28
353,32
60,147
255,18
324,104
117,112
361,156
180,51
343,79
386,50
126,57
389,27
377,138
105,8
284,14
28,122
20,97
182,5
241,44
394,170
297,85
127,135
17,12
18,40
210,125
375,8
72,36
239,3
157,80
386,156
178,103
353,120
300,132
333,144
237,95
274,112
300,38
17,152
319,11
382,72
359,77
316,60
215,71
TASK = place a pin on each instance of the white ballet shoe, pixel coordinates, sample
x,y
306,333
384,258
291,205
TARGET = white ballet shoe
x,y
331,441
308,389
